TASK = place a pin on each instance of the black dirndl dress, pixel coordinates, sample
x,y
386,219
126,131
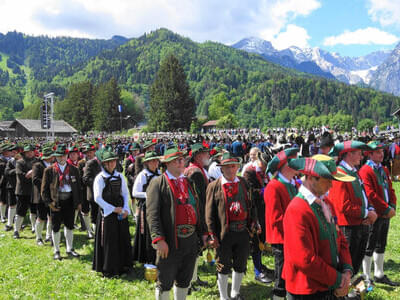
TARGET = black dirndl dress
x,y
143,250
112,247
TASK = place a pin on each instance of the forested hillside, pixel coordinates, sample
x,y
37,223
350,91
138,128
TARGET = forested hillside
x,y
262,93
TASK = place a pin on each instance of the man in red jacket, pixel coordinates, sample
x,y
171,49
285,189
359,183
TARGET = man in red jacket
x,y
277,195
380,193
353,210
317,259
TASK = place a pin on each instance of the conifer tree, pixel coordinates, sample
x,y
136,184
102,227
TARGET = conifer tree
x,y
171,105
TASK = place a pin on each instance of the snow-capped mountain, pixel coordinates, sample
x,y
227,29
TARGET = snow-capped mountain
x,y
351,70
387,75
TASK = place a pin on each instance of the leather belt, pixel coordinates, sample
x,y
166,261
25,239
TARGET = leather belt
x,y
185,231
237,226
64,195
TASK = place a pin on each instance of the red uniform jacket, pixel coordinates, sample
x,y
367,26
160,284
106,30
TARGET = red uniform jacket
x,y
375,192
314,256
349,209
276,198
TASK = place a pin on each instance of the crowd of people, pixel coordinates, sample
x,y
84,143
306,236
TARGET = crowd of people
x,y
321,201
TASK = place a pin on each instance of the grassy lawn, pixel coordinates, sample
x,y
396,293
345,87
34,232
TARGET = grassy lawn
x,y
29,272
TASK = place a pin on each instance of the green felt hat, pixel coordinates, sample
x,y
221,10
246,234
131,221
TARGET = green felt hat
x,y
171,154
217,151
12,147
61,150
46,153
375,145
228,159
148,144
88,147
330,163
106,154
73,149
348,146
150,155
29,147
134,146
280,159
4,147
313,167
197,148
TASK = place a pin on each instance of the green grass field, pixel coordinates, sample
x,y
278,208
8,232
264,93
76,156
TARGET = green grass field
x,y
28,271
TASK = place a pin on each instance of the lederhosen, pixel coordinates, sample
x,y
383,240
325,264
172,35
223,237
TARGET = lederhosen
x,y
143,251
24,200
234,247
42,209
65,203
11,182
113,250
179,264
3,181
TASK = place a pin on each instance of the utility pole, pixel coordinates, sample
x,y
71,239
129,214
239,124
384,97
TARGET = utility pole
x,y
51,119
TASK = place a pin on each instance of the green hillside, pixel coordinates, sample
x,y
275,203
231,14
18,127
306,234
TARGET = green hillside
x,y
262,93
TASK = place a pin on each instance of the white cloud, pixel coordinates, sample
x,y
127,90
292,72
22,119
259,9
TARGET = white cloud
x,y
293,36
367,36
226,21
386,12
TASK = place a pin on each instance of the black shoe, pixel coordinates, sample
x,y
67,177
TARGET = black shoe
x,y
194,288
263,278
270,273
39,242
3,220
33,230
386,280
8,228
72,253
57,256
23,226
238,297
16,235
201,282
353,295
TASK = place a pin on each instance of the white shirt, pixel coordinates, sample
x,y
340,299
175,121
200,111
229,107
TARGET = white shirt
x,y
140,181
214,171
66,188
224,180
99,185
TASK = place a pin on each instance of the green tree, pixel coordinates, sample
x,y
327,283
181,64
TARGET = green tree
x,y
78,103
227,121
365,125
105,107
171,105
220,106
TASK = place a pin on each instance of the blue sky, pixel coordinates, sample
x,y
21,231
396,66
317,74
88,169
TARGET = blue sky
x,y
352,27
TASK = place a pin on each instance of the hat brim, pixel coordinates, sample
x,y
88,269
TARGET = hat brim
x,y
47,156
109,159
343,177
59,154
152,158
171,158
232,162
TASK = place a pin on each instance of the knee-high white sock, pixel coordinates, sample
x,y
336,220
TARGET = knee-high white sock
x,y
38,229
180,293
18,223
69,238
196,265
11,214
236,282
56,241
223,286
162,295
366,264
86,219
378,264
33,220
48,229
3,211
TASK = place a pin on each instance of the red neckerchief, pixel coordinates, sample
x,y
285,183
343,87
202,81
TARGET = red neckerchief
x,y
179,188
61,175
195,165
131,158
230,189
74,163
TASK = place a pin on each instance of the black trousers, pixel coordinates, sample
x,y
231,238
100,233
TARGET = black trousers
x,y
23,203
94,211
233,252
42,211
12,199
317,296
65,215
279,283
179,264
377,238
357,237
3,195
85,206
